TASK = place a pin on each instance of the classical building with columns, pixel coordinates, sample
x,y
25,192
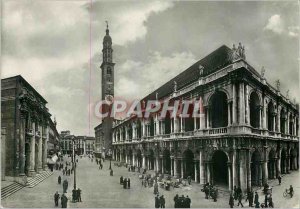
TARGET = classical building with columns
x,y
25,119
246,134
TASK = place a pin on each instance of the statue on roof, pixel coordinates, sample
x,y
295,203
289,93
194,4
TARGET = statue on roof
x,y
238,52
277,82
263,70
175,86
201,70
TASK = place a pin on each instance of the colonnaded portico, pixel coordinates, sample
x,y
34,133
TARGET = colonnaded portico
x,y
246,132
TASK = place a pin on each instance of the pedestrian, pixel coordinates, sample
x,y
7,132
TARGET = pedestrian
x,y
176,201
189,179
121,180
125,183
271,204
266,200
79,195
256,199
235,195
128,183
182,202
64,201
188,202
291,191
257,205
155,188
279,179
74,195
56,198
250,198
59,180
157,203
231,201
111,172
63,172
240,198
206,191
65,186
162,201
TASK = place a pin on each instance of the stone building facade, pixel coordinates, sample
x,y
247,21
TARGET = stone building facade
x,y
84,145
25,118
246,134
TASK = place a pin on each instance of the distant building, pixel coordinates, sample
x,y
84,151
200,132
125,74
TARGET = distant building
x,y
84,145
25,126
53,143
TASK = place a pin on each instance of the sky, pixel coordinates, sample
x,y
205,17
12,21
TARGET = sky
x,y
56,46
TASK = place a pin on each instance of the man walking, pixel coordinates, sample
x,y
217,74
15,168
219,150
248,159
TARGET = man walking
x,y
188,202
64,201
157,204
250,198
56,198
256,201
231,201
279,179
79,195
59,180
65,186
240,198
162,201
128,183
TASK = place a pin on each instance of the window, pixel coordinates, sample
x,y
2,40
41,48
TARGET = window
x,y
108,71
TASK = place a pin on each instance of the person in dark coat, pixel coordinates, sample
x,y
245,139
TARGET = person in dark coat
x,y
279,179
189,179
206,191
74,195
79,195
181,202
65,186
56,198
291,191
111,172
188,202
250,198
64,201
125,183
121,180
128,183
176,201
256,200
240,198
157,203
59,180
162,201
231,201
155,188
235,194
266,200
271,204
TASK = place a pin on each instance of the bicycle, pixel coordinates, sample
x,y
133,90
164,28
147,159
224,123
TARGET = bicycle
x,y
286,193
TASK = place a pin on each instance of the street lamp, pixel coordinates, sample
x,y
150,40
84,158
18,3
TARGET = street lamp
x,y
74,162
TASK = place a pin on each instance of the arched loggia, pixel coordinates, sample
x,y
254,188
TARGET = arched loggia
x,y
256,170
219,110
254,110
220,168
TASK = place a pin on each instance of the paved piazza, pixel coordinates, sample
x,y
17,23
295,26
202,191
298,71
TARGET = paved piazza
x,y
100,190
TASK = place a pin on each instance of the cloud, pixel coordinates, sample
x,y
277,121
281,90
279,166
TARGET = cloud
x,y
275,24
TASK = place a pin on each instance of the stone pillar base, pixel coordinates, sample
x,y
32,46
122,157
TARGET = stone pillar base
x,y
39,170
31,173
22,179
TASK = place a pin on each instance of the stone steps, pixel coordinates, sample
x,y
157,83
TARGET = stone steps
x,y
10,189
32,182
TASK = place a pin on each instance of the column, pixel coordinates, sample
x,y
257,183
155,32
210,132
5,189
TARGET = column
x,y
248,155
126,159
176,124
196,172
133,159
234,118
208,172
260,176
162,164
144,162
32,152
172,164
207,117
278,121
229,113
182,168
143,129
201,168
264,115
84,147
229,176
175,167
234,176
195,123
247,112
22,146
40,152
278,165
287,164
157,164
288,123
242,170
202,115
259,117
265,171
241,104
181,124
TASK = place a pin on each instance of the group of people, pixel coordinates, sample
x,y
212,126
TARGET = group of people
x,y
125,182
63,200
182,202
210,191
76,195
160,202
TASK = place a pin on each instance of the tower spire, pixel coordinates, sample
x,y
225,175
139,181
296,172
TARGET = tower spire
x,y
107,30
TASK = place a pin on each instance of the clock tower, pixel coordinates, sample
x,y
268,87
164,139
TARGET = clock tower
x,y
107,71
